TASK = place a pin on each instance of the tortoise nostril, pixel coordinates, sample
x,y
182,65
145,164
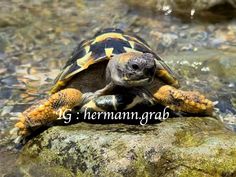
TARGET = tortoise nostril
x,y
135,66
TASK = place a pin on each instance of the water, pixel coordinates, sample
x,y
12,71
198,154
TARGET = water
x,y
36,38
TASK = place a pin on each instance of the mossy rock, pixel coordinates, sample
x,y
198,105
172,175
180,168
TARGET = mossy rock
x,y
194,146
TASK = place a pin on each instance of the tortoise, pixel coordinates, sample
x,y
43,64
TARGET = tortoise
x,y
109,72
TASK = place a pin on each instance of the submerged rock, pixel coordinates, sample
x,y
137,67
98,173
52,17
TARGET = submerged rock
x,y
176,147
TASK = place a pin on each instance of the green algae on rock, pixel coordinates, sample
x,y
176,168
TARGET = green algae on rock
x,y
192,146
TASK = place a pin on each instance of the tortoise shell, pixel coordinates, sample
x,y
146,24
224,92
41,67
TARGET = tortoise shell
x,y
102,46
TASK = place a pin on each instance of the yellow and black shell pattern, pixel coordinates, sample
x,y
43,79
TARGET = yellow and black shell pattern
x,y
102,46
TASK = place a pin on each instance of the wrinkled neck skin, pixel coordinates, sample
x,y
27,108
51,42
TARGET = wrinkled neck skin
x,y
112,74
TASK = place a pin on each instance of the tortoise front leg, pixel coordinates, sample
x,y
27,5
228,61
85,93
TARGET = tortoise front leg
x,y
46,111
164,73
115,102
184,101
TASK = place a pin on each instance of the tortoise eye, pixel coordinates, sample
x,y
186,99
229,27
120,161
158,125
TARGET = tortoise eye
x,y
135,66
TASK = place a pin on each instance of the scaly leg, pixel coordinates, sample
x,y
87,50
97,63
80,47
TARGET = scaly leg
x,y
184,101
164,73
46,111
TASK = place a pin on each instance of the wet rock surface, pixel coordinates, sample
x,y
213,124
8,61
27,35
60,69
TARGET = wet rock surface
x,y
176,147
181,5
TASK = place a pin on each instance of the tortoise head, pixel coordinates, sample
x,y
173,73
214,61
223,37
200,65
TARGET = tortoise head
x,y
131,69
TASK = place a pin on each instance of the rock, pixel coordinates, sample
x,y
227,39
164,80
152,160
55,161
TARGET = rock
x,y
179,5
194,146
168,40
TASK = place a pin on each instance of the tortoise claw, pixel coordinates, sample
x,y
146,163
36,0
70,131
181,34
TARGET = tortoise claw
x,y
14,131
45,111
16,137
184,101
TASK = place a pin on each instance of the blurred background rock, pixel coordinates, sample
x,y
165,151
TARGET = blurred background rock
x,y
181,5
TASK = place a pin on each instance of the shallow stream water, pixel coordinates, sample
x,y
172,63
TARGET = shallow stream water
x,y
36,38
